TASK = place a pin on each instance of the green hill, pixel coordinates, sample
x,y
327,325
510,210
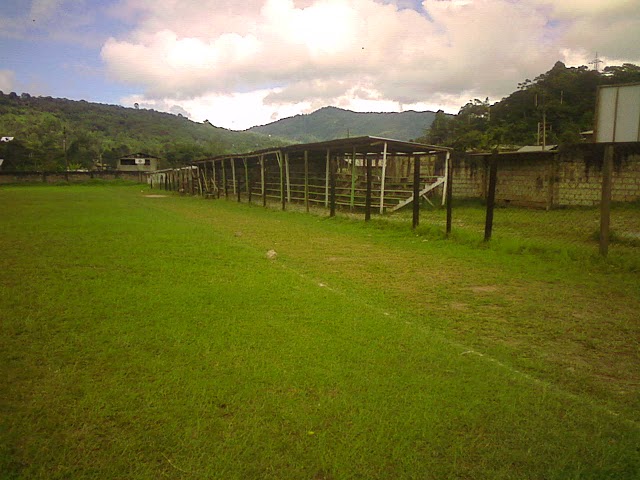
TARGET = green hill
x,y
563,99
97,133
330,122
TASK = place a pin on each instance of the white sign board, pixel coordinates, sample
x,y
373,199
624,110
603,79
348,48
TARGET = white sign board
x,y
618,114
139,161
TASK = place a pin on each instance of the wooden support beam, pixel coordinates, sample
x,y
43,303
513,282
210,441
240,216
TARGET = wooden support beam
x,y
233,174
491,196
216,190
332,186
247,180
263,189
446,178
283,198
286,165
205,179
326,180
449,194
225,185
384,172
605,199
306,180
416,191
421,193
352,198
367,201
551,182
238,189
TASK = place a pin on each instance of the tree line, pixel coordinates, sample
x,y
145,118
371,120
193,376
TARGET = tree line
x,y
556,106
50,134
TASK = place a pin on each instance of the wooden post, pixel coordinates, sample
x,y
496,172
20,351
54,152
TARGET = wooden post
x,y
224,180
605,200
416,191
238,190
332,186
491,195
306,180
204,187
264,190
552,179
247,180
286,166
326,180
233,174
445,188
216,190
283,199
367,201
449,192
384,172
201,180
353,179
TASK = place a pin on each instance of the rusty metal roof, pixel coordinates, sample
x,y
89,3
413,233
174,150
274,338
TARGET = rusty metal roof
x,y
362,145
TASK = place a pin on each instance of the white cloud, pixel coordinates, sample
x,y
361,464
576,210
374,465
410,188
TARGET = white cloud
x,y
247,60
237,111
7,80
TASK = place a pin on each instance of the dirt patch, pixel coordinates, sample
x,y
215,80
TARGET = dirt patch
x,y
484,289
463,307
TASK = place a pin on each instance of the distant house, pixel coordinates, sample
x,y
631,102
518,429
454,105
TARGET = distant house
x,y
138,162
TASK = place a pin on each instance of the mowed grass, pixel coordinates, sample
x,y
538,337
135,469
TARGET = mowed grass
x,y
572,232
151,337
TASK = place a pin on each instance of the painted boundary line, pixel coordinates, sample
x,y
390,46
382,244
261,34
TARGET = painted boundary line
x,y
465,350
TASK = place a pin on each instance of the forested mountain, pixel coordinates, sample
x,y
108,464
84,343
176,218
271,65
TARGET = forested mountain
x,y
329,123
43,127
563,97
97,133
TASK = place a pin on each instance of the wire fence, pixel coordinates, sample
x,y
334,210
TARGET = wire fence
x,y
573,203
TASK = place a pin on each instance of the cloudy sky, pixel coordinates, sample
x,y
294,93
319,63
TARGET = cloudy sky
x,y
250,62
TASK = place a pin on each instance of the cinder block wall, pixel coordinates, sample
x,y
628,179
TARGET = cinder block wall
x,y
570,178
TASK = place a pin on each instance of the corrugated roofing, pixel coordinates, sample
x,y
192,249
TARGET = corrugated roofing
x,y
364,144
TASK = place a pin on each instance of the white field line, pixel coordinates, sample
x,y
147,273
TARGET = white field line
x,y
465,350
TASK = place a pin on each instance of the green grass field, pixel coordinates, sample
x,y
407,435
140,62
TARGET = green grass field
x,y
152,338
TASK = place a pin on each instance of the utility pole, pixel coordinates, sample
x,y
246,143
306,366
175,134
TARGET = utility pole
x,y
542,127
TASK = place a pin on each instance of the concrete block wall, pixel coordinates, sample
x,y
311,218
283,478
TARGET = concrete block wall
x,y
579,183
571,178
626,180
469,178
525,181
